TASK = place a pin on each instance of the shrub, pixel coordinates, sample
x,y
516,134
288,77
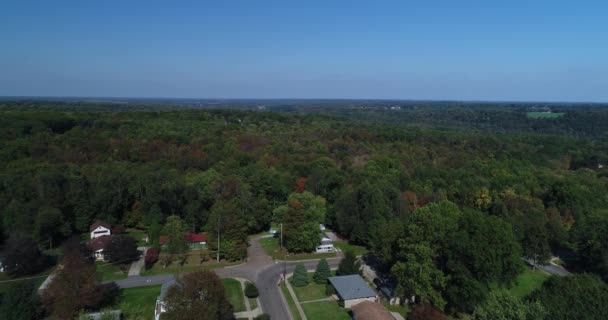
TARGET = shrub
x,y
251,291
300,276
262,317
151,257
329,289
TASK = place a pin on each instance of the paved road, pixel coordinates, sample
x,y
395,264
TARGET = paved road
x,y
260,269
550,268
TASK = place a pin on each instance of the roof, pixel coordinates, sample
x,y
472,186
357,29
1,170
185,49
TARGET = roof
x,y
194,238
368,310
351,287
189,237
99,243
164,289
100,223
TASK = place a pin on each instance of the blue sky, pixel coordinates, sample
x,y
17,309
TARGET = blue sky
x,y
464,50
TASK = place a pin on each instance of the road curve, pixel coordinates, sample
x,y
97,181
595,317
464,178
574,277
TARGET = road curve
x,y
259,268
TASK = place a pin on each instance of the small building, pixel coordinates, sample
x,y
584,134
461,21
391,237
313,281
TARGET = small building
x,y
192,239
100,228
352,290
368,310
160,301
98,245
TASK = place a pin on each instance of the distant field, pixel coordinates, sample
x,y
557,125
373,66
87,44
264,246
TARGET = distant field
x,y
545,115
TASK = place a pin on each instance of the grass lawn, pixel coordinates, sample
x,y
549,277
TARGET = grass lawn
x,y
109,271
292,306
544,115
253,303
272,248
402,310
345,246
192,264
139,303
235,294
527,282
310,292
325,310
37,278
138,235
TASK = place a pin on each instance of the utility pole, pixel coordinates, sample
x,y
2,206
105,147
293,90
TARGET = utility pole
x,y
283,252
218,239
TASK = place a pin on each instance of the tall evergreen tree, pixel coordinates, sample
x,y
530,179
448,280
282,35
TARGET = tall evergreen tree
x,y
348,264
322,272
300,276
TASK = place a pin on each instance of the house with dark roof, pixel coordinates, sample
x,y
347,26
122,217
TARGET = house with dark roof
x,y
368,310
192,239
160,301
352,290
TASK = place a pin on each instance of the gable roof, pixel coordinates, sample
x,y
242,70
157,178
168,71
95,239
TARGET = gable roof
x,y
99,243
100,223
351,287
368,310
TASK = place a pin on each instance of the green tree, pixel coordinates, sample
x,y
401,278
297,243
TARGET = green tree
x,y
49,225
122,250
300,276
418,276
20,301
501,305
587,297
175,231
154,232
301,221
348,264
198,295
322,272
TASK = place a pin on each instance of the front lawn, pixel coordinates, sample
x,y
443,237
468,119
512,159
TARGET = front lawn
x,y
272,248
345,246
110,271
234,293
292,305
527,282
325,310
139,303
312,291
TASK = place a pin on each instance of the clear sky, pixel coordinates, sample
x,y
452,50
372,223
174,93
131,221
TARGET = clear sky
x,y
482,50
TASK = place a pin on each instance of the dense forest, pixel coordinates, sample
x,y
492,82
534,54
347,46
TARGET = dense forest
x,y
460,191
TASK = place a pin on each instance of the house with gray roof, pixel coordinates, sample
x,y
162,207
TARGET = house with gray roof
x,y
160,301
352,289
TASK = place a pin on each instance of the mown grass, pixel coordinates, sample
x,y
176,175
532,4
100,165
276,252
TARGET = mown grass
x,y
234,293
527,282
345,246
312,291
139,303
110,271
325,310
290,303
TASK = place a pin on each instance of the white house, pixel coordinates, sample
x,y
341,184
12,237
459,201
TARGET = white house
x,y
100,228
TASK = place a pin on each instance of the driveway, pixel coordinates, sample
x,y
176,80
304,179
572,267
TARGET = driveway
x,y
259,269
